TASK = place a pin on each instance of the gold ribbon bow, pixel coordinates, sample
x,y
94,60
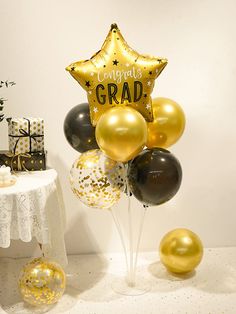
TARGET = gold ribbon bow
x,y
19,162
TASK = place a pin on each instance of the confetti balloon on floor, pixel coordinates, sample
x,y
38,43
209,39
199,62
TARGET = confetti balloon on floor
x,y
42,282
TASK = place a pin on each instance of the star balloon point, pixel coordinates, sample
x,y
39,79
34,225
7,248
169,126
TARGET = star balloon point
x,y
121,76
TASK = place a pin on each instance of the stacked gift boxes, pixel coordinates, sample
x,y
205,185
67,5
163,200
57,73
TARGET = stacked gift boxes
x,y
26,145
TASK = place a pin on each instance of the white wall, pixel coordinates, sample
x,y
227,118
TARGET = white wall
x,y
39,38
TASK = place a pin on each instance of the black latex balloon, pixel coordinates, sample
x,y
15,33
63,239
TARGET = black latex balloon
x,y
154,176
78,129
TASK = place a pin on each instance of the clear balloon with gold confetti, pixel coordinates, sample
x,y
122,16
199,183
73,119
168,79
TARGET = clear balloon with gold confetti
x,y
97,180
42,282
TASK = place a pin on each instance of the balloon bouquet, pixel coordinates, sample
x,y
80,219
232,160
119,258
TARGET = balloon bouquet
x,y
113,128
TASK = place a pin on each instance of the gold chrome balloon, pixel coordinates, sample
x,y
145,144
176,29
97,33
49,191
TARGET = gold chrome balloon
x,y
97,180
121,133
42,282
168,123
181,251
118,75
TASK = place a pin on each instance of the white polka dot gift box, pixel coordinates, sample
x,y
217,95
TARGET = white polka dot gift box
x,y
26,135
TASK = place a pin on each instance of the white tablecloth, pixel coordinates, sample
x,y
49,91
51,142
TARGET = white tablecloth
x,y
33,207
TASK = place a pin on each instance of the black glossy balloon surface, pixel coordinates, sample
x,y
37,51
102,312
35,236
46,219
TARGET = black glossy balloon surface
x,y
154,176
78,129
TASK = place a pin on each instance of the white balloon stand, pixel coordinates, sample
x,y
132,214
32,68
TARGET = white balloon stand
x,y
129,223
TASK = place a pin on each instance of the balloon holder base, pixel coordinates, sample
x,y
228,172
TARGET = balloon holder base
x,y
124,287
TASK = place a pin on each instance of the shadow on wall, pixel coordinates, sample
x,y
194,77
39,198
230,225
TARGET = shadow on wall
x,y
19,249
83,224
80,219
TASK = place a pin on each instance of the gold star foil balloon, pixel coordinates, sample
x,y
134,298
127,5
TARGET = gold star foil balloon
x,y
97,180
118,76
42,282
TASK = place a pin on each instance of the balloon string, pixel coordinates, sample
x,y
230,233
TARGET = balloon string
x,y
139,239
131,247
119,229
131,279
41,248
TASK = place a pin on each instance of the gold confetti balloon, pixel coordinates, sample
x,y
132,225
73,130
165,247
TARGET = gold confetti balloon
x,y
42,282
168,123
97,180
117,75
181,251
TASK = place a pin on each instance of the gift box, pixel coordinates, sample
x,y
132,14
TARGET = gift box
x,y
26,135
24,161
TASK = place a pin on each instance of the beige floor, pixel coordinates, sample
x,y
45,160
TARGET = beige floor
x,y
210,290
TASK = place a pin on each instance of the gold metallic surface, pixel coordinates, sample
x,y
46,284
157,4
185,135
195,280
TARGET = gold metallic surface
x,y
168,123
117,75
181,251
97,180
121,133
42,282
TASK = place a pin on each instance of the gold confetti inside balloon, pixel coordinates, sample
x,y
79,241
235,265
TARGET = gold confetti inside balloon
x,y
42,282
181,251
121,133
168,123
97,180
117,75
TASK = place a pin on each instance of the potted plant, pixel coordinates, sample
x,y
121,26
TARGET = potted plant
x,y
5,84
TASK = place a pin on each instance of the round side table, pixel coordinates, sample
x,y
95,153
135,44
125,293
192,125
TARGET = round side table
x,y
33,207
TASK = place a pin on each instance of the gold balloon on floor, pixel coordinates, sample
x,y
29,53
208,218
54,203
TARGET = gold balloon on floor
x,y
97,180
181,251
117,75
42,282
121,133
168,123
